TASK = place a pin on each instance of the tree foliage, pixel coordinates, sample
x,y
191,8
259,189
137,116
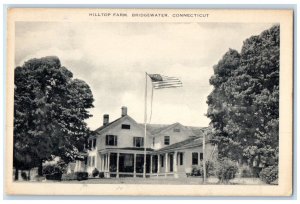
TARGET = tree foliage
x,y
49,112
244,105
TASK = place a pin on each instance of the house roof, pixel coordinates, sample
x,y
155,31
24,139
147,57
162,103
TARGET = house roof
x,y
155,129
178,144
112,124
105,126
188,143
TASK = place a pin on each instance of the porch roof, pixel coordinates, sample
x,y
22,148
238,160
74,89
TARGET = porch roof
x,y
127,150
185,144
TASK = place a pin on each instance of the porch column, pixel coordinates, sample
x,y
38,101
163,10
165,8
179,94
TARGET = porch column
x,y
166,166
151,164
118,155
100,161
104,162
108,165
175,164
134,165
158,164
108,161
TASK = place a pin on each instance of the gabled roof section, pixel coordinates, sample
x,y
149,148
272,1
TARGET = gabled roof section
x,y
105,126
167,128
155,129
116,122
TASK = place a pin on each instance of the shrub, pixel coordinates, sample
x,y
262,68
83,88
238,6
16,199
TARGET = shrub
x,y
101,174
81,175
246,172
95,172
24,176
269,174
67,177
55,176
52,172
227,170
195,171
51,169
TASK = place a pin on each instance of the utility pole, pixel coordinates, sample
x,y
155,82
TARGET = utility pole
x,y
204,160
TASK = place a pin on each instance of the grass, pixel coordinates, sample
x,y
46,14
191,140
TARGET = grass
x,y
167,181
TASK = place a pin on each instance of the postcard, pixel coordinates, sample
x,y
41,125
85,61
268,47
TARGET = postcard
x,y
151,102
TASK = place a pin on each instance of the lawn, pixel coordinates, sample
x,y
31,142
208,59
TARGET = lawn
x,y
169,181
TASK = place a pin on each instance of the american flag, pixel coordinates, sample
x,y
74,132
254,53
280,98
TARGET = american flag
x,y
161,82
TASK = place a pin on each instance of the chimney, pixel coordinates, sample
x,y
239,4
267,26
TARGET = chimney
x,y
124,111
105,119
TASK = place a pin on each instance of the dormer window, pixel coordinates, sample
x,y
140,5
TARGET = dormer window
x,y
176,130
125,126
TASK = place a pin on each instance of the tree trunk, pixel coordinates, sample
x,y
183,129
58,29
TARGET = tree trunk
x,y
40,169
16,174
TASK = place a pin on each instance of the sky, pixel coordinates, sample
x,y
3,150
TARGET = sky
x,y
114,57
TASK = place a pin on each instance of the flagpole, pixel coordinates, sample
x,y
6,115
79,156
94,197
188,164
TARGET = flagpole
x,y
145,124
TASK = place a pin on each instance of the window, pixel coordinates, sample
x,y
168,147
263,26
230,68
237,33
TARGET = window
x,y
176,130
201,156
181,158
111,140
138,141
90,144
195,158
153,141
124,126
94,143
167,140
162,160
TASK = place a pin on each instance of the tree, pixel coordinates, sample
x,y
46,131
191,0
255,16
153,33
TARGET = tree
x,y
49,112
244,105
219,102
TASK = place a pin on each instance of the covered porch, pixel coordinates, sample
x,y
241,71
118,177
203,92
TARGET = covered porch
x,y
130,163
125,162
169,164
